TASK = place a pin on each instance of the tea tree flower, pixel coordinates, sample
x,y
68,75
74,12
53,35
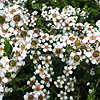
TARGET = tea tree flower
x,y
58,51
92,72
58,84
12,63
47,93
67,70
8,89
46,80
44,37
77,44
37,87
69,87
34,43
62,78
62,95
71,98
49,71
40,70
75,58
35,56
46,47
32,81
54,14
92,38
41,97
29,96
73,80
1,96
1,5
47,61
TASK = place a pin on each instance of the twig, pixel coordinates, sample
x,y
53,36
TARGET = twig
x,y
97,1
53,91
97,83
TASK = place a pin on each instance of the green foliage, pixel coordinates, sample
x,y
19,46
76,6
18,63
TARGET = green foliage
x,y
7,48
92,96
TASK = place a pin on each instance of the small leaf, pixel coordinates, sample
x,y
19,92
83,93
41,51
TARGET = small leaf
x,y
7,48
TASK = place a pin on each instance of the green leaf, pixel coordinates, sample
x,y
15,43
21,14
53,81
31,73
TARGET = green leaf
x,y
7,48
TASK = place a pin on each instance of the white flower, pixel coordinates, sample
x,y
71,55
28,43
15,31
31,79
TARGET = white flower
x,y
62,78
1,96
40,70
85,40
37,87
62,95
11,29
46,80
92,72
21,63
5,26
94,61
46,47
90,91
71,98
12,23
58,83
47,93
29,96
98,23
69,87
20,23
1,5
30,32
67,70
88,83
32,81
8,89
47,61
8,18
1,88
87,54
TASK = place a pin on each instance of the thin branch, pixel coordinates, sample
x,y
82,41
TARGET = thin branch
x,y
97,1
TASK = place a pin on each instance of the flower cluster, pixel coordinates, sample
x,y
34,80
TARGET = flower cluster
x,y
75,43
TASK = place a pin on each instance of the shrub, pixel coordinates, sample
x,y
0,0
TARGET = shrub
x,y
49,50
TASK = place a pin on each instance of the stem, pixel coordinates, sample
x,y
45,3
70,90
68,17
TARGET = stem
x,y
53,91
